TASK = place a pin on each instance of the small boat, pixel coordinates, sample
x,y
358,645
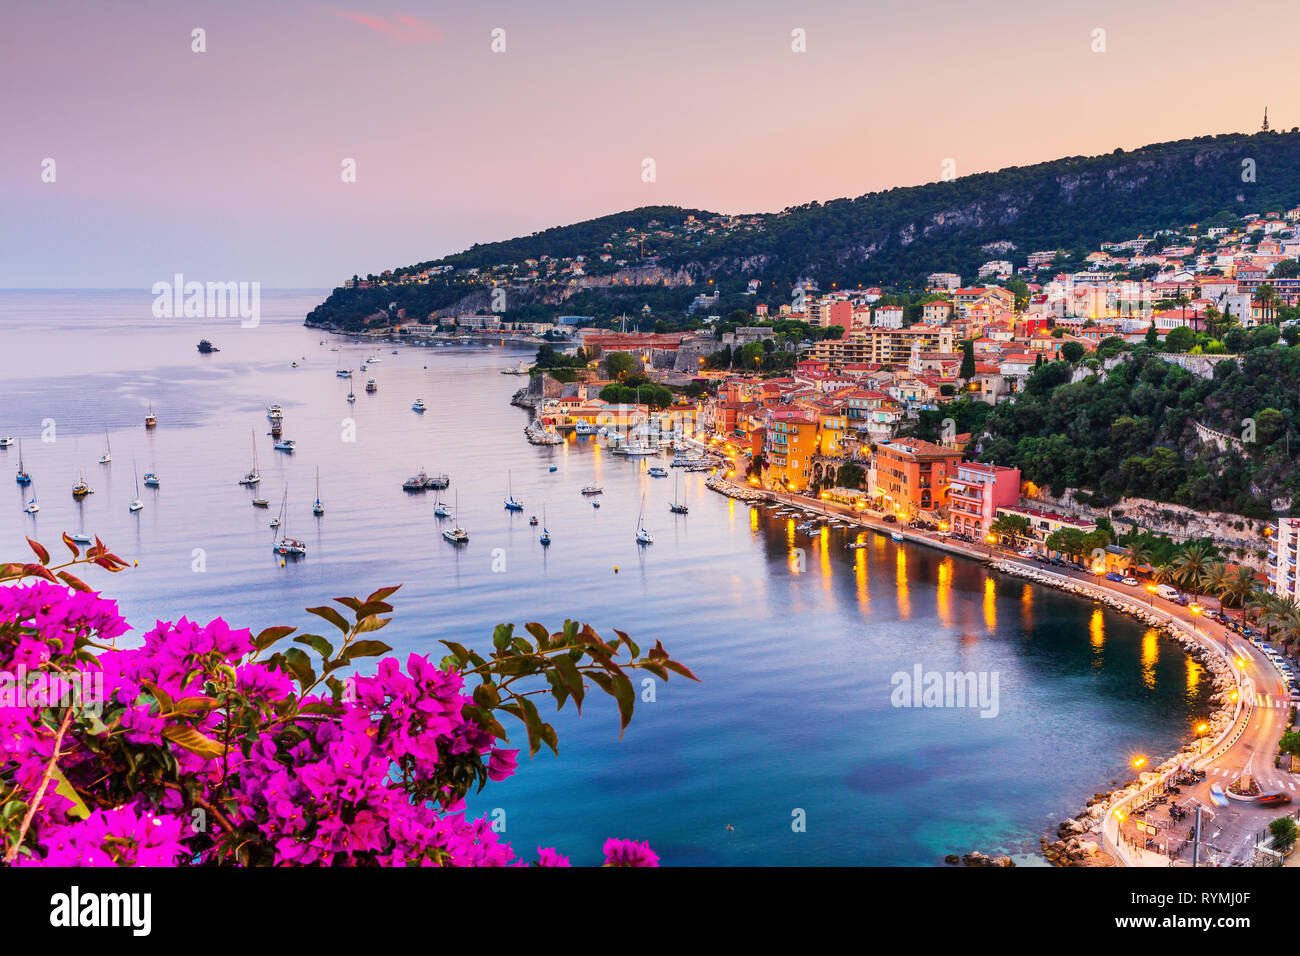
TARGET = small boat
x,y
372,385
677,507
151,419
136,504
23,477
437,482
207,348
854,545
343,372
533,521
456,535
284,444
81,489
252,476
554,468
593,490
394,351
657,472
642,535
517,370
293,364
584,428
32,507
511,503
638,449
318,509
105,458
260,503
805,526
442,511
151,479
896,536
352,396
418,405
274,411
545,538
416,482
81,537
6,442
373,359
595,504
361,367
287,545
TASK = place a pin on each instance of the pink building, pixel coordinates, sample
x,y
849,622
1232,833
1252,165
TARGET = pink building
x,y
977,492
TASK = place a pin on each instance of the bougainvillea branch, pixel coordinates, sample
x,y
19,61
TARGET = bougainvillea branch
x,y
208,745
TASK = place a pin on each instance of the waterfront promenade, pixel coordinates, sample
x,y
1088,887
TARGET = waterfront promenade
x,y
1246,744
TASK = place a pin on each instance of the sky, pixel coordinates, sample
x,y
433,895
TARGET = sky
x,y
227,164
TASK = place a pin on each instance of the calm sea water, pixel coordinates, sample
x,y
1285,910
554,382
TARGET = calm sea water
x,y
793,716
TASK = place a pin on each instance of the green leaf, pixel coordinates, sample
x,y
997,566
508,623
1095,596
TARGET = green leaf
x,y
331,615
300,664
372,624
533,724
366,649
487,696
383,594
195,705
540,634
502,636
186,736
572,679
271,635
65,789
317,643
626,698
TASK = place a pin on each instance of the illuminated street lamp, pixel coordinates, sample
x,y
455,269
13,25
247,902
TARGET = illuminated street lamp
x,y
1139,762
1151,590
990,539
1196,614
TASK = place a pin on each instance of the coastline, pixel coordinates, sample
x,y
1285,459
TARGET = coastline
x,y
1079,840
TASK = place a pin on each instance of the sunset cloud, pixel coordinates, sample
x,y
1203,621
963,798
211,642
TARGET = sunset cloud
x,y
402,29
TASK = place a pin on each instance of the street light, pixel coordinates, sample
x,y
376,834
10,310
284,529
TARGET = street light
x,y
1151,590
990,539
1139,763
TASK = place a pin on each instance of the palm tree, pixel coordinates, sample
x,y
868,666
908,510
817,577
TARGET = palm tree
x,y
1190,564
1164,573
1214,579
1141,553
1238,590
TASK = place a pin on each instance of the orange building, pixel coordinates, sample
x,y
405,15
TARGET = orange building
x,y
789,443
912,476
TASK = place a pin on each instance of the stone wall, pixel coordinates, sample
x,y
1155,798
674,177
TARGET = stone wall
x,y
1240,538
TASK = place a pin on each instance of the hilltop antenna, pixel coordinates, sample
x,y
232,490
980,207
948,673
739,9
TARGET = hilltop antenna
x,y
1264,128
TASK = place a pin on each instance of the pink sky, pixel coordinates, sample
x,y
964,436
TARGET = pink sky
x,y
226,164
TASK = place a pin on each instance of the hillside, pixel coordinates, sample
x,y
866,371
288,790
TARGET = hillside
x,y
658,257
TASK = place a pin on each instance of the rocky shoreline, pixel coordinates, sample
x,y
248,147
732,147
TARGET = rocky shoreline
x,y
1076,838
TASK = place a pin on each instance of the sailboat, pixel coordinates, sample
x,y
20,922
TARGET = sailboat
x,y
642,535
677,507
32,506
151,479
136,504
545,538
24,476
318,509
81,489
253,476
456,535
105,458
151,419
286,544
511,504
352,396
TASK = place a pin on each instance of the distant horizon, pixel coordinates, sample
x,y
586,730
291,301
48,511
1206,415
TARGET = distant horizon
x,y
220,141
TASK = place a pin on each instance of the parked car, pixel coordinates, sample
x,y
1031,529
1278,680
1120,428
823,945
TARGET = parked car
x,y
1130,581
1114,576
1168,592
891,518
1274,799
1182,600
